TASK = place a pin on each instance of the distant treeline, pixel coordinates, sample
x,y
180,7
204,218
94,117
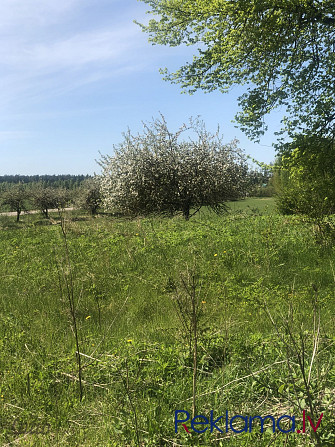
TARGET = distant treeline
x,y
66,181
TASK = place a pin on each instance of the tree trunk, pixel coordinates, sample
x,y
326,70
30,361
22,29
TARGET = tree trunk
x,y
186,212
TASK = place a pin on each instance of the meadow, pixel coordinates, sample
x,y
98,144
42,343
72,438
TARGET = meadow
x,y
248,295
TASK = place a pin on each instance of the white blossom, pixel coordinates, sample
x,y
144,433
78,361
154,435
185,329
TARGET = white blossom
x,y
157,172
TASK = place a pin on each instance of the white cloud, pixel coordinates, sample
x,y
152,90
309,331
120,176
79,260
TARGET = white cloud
x,y
6,135
33,13
50,47
82,49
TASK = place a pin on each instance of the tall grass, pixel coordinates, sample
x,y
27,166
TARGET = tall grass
x,y
137,367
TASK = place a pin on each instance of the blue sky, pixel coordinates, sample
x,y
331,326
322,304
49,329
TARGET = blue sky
x,y
75,74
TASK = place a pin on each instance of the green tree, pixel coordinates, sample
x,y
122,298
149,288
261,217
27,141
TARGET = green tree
x,y
260,181
307,177
46,198
15,196
283,51
157,172
88,196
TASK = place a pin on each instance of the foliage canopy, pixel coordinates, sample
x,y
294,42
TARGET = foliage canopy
x,y
88,196
308,177
156,172
47,197
284,51
15,196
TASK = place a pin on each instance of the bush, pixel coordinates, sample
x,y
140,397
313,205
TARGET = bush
x,y
89,196
308,178
157,173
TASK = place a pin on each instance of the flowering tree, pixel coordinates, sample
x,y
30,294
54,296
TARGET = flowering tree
x,y
156,172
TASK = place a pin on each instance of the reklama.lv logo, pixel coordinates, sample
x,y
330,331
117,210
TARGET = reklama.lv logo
x,y
245,425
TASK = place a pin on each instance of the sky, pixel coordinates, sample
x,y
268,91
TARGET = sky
x,y
76,74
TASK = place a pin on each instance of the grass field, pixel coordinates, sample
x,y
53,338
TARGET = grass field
x,y
247,289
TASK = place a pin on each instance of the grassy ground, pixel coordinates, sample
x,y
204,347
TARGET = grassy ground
x,y
133,284
254,205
